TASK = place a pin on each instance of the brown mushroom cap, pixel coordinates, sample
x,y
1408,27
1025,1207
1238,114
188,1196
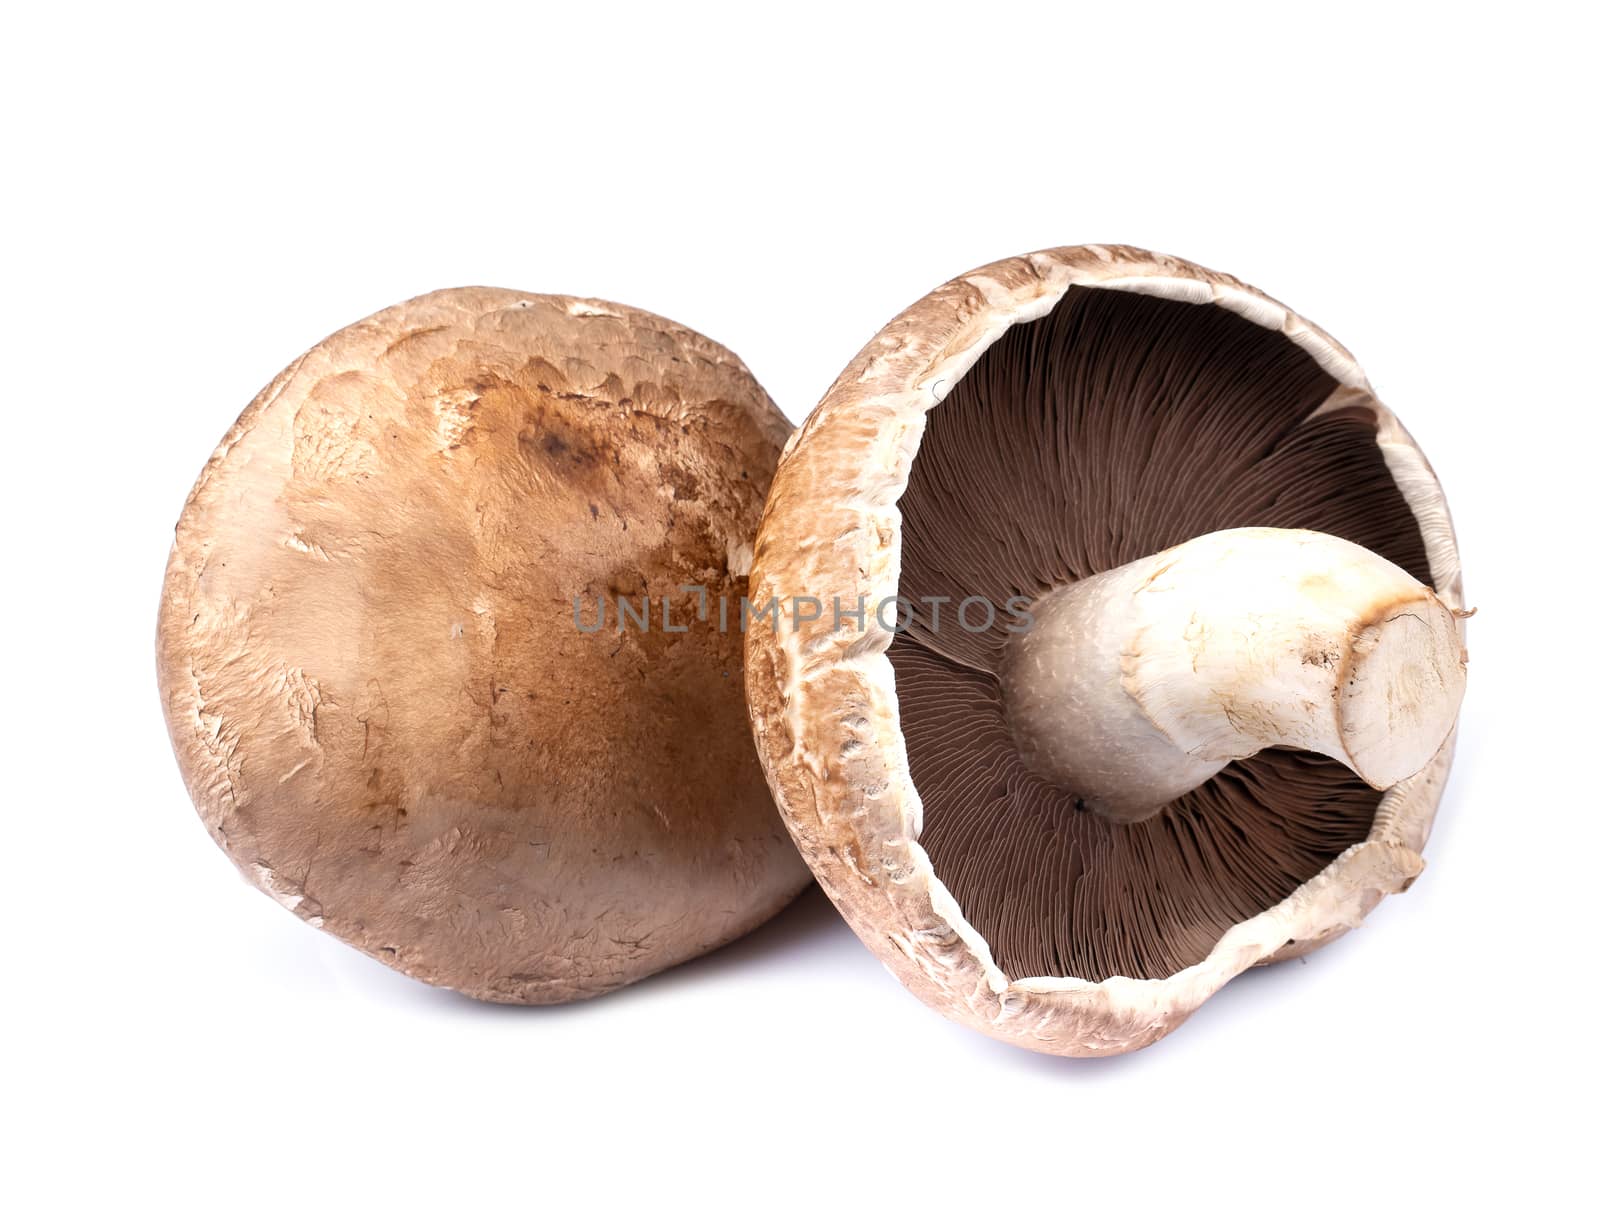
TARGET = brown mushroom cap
x,y
1031,423
370,660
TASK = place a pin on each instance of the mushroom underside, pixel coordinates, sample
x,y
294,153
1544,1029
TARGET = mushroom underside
x,y
1115,426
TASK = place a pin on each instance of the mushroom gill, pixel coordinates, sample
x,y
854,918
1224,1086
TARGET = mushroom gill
x,y
1116,426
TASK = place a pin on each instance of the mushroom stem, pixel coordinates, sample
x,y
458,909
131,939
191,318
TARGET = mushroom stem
x,y
1138,684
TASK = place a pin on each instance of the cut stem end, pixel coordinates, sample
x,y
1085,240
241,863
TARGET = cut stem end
x,y
1138,684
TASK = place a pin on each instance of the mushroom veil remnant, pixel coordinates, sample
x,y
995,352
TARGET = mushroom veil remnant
x,y
396,666
1191,700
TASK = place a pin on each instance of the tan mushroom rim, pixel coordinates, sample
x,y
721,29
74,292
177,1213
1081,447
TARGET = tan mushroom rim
x,y
829,727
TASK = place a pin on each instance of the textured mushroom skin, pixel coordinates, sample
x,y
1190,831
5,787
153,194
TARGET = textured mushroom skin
x,y
371,666
823,703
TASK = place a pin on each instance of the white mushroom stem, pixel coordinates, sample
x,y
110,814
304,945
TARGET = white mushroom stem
x,y
1138,684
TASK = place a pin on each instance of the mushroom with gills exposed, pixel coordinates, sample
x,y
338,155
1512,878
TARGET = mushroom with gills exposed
x,y
1210,726
391,660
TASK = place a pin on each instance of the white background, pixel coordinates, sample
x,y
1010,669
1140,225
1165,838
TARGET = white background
x,y
193,198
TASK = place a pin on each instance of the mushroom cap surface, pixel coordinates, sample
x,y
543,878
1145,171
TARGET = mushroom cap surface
x,y
371,665
827,713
